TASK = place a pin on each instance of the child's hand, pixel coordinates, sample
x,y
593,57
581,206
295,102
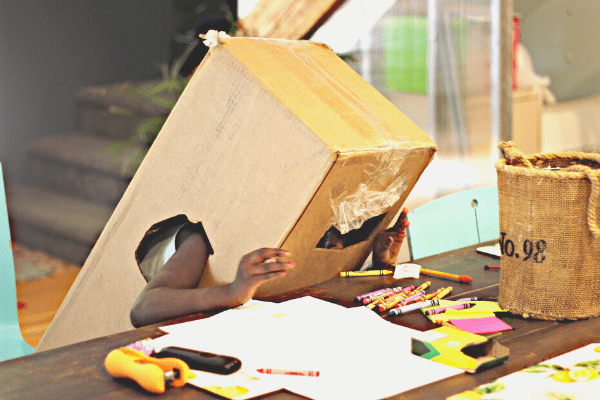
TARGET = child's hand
x,y
387,243
255,268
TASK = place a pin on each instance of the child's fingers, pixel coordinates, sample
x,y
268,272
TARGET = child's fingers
x,y
265,277
401,221
261,255
270,267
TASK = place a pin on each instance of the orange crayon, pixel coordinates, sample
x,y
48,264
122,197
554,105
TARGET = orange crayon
x,y
433,294
446,275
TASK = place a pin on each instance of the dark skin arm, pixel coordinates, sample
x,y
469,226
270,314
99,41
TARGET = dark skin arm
x,y
172,293
387,243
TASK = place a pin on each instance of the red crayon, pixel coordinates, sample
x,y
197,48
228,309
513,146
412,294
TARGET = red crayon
x,y
288,372
491,267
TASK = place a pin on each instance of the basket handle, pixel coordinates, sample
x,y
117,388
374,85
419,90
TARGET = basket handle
x,y
594,195
515,156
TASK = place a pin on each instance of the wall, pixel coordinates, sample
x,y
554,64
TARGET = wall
x,y
51,49
563,38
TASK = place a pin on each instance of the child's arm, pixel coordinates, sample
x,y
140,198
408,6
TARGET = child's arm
x,y
387,244
172,293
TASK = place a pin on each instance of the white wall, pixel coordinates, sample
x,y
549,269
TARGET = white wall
x,y
563,38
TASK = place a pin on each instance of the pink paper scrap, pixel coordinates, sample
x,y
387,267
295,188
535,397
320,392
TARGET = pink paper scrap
x,y
481,325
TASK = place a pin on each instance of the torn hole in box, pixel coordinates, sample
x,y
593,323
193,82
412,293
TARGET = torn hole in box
x,y
333,239
160,243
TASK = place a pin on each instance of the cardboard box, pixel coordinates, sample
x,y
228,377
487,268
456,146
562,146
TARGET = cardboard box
x,y
460,349
271,143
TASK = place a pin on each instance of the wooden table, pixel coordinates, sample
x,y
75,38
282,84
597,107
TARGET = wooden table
x,y
77,371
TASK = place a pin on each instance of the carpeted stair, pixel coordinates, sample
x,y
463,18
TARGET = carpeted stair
x,y
77,179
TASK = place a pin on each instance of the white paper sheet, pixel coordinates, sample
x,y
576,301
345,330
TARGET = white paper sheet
x,y
359,354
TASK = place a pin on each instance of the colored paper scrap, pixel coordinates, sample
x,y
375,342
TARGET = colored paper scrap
x,y
481,326
409,270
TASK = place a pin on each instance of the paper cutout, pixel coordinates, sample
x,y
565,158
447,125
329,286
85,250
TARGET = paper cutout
x,y
493,250
481,326
407,271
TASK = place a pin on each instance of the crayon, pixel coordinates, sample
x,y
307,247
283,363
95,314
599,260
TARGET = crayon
x,y
468,299
443,309
459,278
411,301
392,301
396,296
491,267
419,296
362,296
443,293
379,272
382,300
387,306
423,286
288,372
372,296
433,294
413,307
448,324
385,294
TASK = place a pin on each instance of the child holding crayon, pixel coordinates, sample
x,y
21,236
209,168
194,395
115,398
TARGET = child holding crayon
x,y
174,253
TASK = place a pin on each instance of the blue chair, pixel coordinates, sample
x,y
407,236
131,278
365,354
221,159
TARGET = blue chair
x,y
454,221
12,344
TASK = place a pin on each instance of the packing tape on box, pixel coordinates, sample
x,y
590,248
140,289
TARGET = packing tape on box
x,y
350,211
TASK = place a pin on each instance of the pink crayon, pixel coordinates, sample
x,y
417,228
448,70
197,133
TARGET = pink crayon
x,y
362,296
443,309
387,294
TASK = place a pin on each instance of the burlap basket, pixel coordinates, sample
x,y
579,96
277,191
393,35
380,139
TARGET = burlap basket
x,y
549,234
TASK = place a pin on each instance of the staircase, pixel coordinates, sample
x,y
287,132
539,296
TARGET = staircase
x,y
76,180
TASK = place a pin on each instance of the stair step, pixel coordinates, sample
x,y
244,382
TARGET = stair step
x,y
80,165
103,122
60,225
117,109
132,96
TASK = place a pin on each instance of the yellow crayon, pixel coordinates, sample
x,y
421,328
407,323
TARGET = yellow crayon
x,y
382,300
422,287
388,305
443,293
378,272
392,301
375,303
400,300
432,295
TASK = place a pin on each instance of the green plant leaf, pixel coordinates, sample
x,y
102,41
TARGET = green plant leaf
x,y
165,103
149,128
120,111
133,161
118,147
